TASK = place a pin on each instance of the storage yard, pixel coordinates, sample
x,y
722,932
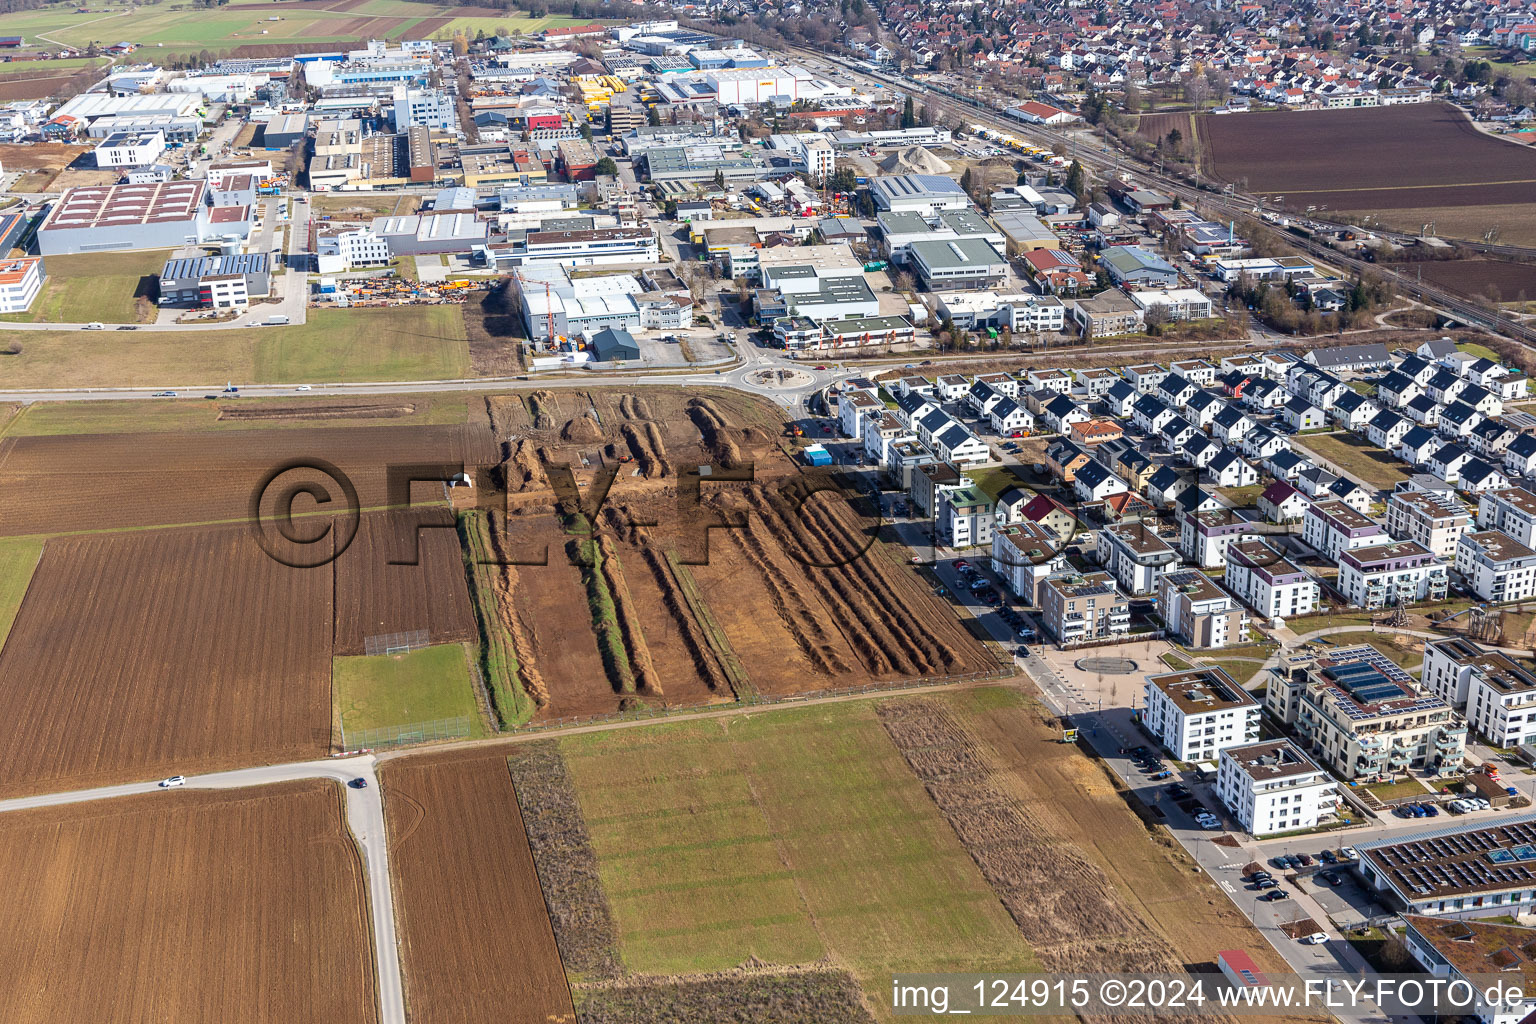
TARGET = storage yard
x,y
245,906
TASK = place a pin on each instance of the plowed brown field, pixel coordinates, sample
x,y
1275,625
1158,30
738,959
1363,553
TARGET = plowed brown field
x,y
475,938
242,907
1369,158
143,654
374,597
94,482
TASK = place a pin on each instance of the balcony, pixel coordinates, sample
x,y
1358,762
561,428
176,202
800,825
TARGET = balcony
x,y
1371,742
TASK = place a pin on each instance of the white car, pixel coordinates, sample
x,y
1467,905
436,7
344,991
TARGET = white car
x,y
1315,939
173,782
94,326
303,387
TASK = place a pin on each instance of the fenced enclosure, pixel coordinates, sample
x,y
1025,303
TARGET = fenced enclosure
x,y
396,643
385,736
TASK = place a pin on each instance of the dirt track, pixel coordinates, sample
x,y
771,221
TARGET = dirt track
x,y
238,906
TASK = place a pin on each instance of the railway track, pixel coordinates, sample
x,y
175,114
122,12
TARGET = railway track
x,y
1460,308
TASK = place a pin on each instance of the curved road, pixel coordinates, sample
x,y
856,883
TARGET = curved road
x,y
365,819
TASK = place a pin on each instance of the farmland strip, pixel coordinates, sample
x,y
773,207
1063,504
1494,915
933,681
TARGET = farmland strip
x,y
741,685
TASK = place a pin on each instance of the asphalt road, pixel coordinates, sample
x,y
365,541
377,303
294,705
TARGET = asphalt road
x,y
365,818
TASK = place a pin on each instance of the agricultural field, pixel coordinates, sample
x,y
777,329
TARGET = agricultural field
x,y
187,651
1496,280
402,572
665,604
242,906
950,834
124,481
1403,160
1357,457
487,954
400,343
96,286
42,162
428,684
785,837
18,558
194,413
35,80
176,30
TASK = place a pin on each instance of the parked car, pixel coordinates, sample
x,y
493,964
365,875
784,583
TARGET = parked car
x,y
1209,824
1178,790
1347,853
1431,811
1265,884
1275,896
1328,857
1305,858
1332,877
1315,939
1458,807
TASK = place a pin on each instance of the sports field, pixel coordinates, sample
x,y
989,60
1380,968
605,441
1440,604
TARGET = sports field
x,y
788,836
94,286
424,685
401,343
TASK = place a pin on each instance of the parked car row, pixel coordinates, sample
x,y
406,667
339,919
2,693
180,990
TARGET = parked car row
x,y
1424,810
1468,805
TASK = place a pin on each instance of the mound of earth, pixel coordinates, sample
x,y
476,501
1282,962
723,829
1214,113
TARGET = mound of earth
x,y
582,430
913,160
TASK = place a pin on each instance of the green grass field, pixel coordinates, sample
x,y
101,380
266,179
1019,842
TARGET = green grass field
x,y
92,286
1352,454
788,836
18,557
425,685
190,412
335,345
50,68
181,28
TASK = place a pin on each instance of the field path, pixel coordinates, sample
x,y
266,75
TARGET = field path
x,y
365,817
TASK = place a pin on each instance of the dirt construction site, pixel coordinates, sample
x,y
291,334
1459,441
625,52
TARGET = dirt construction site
x,y
692,585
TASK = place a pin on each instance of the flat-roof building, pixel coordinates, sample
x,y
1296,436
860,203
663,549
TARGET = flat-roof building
x,y
20,281
1364,717
1274,787
919,193
1078,608
1465,870
105,218
1196,714
192,281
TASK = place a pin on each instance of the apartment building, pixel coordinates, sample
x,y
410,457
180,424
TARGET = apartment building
x,y
20,281
1496,693
1204,537
1496,567
1025,555
1264,580
1083,608
1511,511
1198,611
1436,521
966,518
1274,787
1135,555
1331,528
1363,716
1385,575
1198,713
1464,953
